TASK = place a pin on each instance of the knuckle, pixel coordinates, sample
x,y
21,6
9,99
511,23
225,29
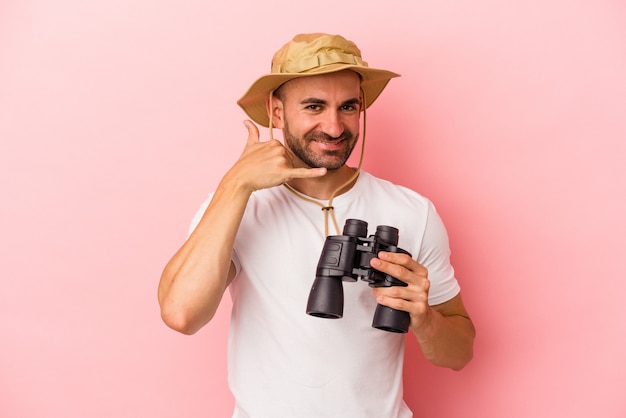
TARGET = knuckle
x,y
397,291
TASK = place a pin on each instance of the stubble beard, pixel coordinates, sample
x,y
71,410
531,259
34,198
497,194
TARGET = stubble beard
x,y
331,160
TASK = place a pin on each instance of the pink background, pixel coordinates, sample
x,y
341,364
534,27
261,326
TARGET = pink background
x,y
118,117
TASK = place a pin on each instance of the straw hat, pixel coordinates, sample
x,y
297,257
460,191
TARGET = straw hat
x,y
307,55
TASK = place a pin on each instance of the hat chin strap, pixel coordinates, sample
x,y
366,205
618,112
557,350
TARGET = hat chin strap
x,y
328,208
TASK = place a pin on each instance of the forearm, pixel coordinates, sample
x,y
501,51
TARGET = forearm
x,y
446,341
194,281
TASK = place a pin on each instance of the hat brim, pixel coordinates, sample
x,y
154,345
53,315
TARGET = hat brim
x,y
253,102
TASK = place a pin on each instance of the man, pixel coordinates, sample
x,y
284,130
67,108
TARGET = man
x,y
260,235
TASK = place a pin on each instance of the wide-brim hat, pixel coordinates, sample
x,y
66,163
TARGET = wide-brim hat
x,y
308,55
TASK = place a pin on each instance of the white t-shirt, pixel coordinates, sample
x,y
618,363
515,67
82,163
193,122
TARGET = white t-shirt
x,y
285,363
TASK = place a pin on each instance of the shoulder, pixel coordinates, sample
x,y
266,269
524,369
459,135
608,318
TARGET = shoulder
x,y
401,195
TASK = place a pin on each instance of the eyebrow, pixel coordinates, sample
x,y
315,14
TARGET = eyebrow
x,y
315,100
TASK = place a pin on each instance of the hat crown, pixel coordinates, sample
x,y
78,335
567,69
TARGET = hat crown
x,y
310,55
306,53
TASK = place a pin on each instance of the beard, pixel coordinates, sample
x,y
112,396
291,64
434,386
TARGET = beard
x,y
331,160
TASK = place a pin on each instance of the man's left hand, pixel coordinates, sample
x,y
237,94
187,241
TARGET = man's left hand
x,y
414,297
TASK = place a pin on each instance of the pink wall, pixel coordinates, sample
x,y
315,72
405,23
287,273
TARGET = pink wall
x,y
117,117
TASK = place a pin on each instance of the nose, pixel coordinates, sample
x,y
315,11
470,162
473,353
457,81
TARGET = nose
x,y
332,124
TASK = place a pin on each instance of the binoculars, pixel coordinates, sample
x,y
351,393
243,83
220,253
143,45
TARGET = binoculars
x,y
346,258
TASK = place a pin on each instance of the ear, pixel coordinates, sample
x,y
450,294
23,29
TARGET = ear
x,y
276,109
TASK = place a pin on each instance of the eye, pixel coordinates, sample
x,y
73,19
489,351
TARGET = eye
x,y
313,107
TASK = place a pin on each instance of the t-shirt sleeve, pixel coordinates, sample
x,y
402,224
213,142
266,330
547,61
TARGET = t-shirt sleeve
x,y
198,215
435,256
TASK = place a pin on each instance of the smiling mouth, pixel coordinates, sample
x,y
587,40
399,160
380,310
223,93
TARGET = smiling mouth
x,y
331,142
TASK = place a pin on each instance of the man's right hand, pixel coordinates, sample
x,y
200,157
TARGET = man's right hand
x,y
267,164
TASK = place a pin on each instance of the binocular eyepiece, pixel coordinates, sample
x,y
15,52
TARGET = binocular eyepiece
x,y
346,258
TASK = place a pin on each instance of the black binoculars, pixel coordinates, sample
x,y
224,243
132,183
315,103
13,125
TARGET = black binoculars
x,y
346,258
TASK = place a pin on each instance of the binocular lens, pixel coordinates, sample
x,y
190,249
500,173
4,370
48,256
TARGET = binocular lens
x,y
355,228
326,298
392,320
388,234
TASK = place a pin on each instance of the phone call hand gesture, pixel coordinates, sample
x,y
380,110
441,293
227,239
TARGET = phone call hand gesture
x,y
267,164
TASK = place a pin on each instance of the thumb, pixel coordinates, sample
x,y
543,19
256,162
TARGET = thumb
x,y
253,132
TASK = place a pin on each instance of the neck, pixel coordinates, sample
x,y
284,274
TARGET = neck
x,y
323,187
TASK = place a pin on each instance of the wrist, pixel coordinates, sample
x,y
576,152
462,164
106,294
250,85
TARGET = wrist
x,y
424,327
234,182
